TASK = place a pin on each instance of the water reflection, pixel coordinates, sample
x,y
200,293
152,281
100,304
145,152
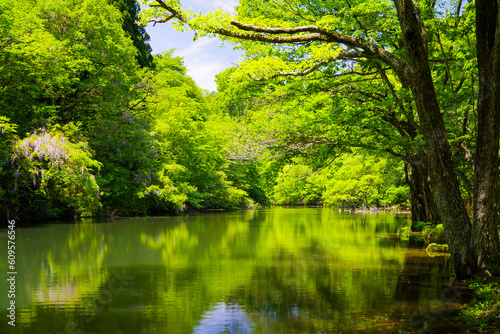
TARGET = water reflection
x,y
269,271
224,318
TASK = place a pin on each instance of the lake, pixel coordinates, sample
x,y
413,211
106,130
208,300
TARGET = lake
x,y
278,270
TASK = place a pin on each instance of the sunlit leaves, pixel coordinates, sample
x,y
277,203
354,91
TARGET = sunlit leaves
x,y
192,137
354,180
64,61
7,133
293,186
366,181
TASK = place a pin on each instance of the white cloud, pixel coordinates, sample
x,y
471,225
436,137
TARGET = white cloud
x,y
203,63
204,74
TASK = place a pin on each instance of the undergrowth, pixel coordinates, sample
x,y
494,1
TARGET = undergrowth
x,y
482,315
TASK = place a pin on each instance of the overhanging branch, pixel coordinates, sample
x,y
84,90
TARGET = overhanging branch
x,y
342,55
301,34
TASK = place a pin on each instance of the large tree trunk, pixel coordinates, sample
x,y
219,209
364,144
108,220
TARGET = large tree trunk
x,y
442,177
486,186
423,207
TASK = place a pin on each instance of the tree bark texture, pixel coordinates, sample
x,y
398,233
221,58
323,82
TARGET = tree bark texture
x,y
423,207
443,180
486,186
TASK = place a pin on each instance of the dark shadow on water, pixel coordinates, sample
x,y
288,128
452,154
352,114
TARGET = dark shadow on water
x,y
421,276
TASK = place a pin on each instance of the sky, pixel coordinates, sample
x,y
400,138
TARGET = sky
x,y
203,58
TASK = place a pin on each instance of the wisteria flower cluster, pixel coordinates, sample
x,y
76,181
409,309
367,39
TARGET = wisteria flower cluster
x,y
50,156
42,146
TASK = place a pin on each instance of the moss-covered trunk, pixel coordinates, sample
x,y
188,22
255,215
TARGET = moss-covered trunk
x,y
487,187
443,180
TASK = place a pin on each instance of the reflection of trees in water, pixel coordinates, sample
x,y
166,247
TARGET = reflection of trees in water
x,y
297,295
300,295
291,271
421,285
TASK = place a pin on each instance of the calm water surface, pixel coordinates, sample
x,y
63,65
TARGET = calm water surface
x,y
278,270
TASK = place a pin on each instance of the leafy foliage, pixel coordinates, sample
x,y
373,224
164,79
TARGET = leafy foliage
x,y
435,234
157,144
130,10
64,61
191,135
329,75
354,180
364,181
51,170
294,186
482,314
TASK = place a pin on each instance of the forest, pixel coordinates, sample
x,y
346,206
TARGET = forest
x,y
350,104
93,124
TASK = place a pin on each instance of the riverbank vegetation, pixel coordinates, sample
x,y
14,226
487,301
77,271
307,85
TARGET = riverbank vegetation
x,y
482,314
93,124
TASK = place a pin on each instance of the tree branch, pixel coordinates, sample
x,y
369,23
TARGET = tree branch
x,y
172,11
357,19
409,116
343,54
155,21
302,34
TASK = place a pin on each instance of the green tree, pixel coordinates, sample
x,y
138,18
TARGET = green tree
x,y
130,10
362,181
190,135
322,115
8,136
315,34
354,180
293,186
64,61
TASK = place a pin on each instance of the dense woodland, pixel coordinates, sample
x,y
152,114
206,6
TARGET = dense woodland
x,y
94,125
339,103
